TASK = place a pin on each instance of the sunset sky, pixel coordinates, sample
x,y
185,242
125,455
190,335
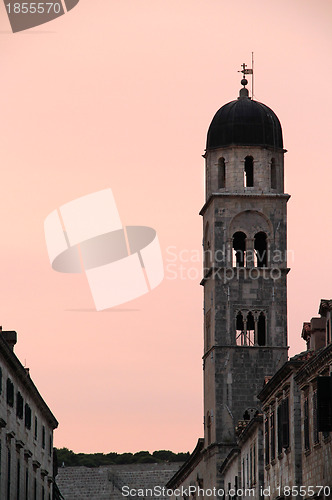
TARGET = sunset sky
x,y
120,94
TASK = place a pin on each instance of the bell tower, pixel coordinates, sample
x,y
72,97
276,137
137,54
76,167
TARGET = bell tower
x,y
245,266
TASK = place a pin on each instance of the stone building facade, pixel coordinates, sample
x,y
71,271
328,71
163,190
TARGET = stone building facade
x,y
26,431
243,468
316,411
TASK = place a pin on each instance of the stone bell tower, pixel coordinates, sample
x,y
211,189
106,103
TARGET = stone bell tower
x,y
245,267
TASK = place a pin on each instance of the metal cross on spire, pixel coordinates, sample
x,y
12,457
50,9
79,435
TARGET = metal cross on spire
x,y
248,71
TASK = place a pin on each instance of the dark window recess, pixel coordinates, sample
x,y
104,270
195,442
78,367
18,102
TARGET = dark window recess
x,y
273,437
306,424
328,331
279,419
315,423
267,443
18,479
9,462
43,437
51,445
26,483
19,405
273,174
248,171
27,416
208,428
221,173
10,392
260,245
36,428
285,423
261,329
239,246
324,404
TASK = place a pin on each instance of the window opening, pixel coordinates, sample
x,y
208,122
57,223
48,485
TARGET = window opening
x,y
239,249
248,171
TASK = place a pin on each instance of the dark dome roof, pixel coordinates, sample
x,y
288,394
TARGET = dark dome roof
x,y
244,122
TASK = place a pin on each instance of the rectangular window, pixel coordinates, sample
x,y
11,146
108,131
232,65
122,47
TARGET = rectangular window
x,y
306,424
254,465
243,474
36,428
273,437
18,478
50,446
285,423
19,405
35,489
247,469
8,473
315,422
267,444
43,437
26,483
250,467
279,421
324,403
10,392
27,416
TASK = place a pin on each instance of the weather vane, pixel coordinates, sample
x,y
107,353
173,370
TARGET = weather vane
x,y
248,71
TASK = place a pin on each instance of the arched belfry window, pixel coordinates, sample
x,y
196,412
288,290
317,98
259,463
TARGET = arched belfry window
x,y
260,245
221,173
273,174
208,425
207,248
261,329
239,249
239,329
248,171
250,333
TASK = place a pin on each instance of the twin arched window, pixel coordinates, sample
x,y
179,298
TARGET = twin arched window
x,y
242,255
251,329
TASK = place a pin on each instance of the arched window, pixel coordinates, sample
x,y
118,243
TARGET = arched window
x,y
273,174
250,333
221,173
208,425
239,249
260,245
248,171
207,248
239,329
261,330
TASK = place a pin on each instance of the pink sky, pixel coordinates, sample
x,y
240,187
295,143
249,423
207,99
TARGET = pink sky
x,y
120,94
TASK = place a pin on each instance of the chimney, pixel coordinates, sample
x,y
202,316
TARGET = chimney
x,y
314,333
10,337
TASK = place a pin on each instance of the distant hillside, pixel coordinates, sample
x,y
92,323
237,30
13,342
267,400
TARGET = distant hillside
x,y
69,458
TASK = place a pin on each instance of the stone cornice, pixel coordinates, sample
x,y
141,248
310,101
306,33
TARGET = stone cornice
x,y
216,270
245,347
323,358
243,195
